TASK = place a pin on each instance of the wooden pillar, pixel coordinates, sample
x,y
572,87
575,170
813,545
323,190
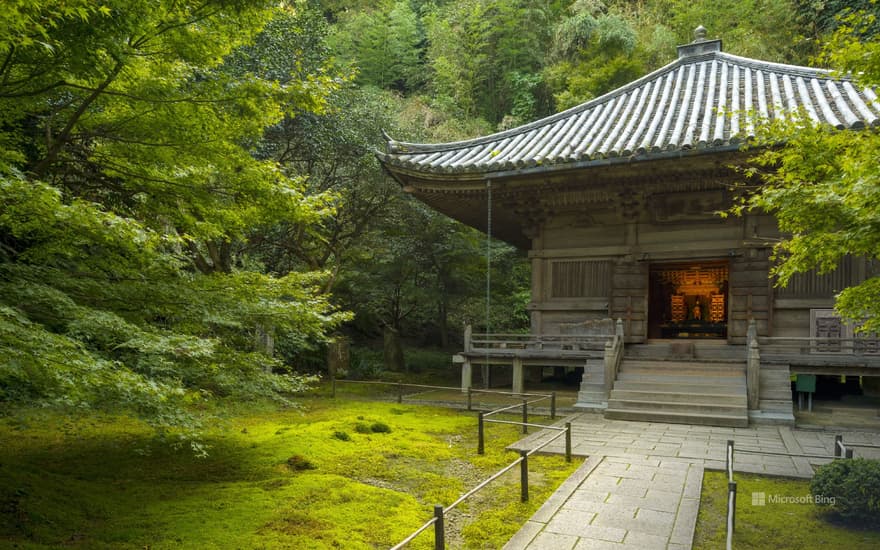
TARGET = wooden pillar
x,y
467,372
338,356
753,376
518,376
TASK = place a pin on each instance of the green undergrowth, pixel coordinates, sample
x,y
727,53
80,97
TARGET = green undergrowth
x,y
786,520
334,474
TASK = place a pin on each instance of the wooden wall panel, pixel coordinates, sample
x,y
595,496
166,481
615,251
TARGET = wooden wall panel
x,y
630,298
750,294
580,279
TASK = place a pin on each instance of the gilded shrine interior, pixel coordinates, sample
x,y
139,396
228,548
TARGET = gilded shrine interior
x,y
688,300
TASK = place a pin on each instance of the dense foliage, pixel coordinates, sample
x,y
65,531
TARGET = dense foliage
x,y
823,185
851,489
129,189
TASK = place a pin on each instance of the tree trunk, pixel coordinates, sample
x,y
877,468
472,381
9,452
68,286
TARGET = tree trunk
x,y
338,356
264,339
393,350
443,323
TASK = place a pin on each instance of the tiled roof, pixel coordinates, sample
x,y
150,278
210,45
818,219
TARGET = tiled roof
x,y
705,101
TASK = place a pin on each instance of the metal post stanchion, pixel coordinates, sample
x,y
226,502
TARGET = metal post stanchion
x,y
480,447
568,441
439,533
524,475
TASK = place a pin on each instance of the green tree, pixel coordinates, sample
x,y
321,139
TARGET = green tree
x,y
486,58
128,182
384,43
594,52
763,29
823,185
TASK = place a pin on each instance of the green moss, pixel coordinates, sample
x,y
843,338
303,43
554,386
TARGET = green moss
x,y
105,482
380,428
362,428
784,522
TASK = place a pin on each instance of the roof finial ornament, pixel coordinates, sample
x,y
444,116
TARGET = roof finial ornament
x,y
700,45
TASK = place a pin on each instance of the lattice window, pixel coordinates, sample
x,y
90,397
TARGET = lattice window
x,y
677,307
716,308
828,327
581,279
813,285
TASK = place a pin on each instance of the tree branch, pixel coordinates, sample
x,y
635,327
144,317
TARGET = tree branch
x,y
53,149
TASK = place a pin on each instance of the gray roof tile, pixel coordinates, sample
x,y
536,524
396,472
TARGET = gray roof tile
x,y
704,102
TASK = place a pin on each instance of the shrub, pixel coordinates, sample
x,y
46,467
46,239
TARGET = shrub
x,y
851,488
298,463
362,428
418,360
365,364
380,427
342,436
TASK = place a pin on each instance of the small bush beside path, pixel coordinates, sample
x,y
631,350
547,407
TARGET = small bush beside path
x,y
773,513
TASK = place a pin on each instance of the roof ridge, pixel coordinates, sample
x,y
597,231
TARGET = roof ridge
x,y
785,67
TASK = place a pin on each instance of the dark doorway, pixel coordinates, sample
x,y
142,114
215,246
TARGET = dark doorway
x,y
688,300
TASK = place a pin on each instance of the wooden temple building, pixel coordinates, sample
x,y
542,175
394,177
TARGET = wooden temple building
x,y
667,306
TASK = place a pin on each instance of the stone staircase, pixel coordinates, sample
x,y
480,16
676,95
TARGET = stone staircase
x,y
592,391
774,396
685,390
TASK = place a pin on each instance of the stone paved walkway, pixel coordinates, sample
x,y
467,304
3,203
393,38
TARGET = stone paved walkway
x,y
640,487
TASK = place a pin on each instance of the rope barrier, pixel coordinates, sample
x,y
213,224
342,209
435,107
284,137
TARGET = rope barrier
x,y
542,426
418,532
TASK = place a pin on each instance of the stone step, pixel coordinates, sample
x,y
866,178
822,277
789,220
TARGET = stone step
x,y
674,417
775,405
733,398
774,394
682,379
738,388
696,368
705,350
686,361
681,376
591,400
673,359
688,367
696,391
775,384
781,375
678,406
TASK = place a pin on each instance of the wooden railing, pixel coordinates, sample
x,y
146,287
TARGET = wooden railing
x,y
613,357
868,347
538,342
753,366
